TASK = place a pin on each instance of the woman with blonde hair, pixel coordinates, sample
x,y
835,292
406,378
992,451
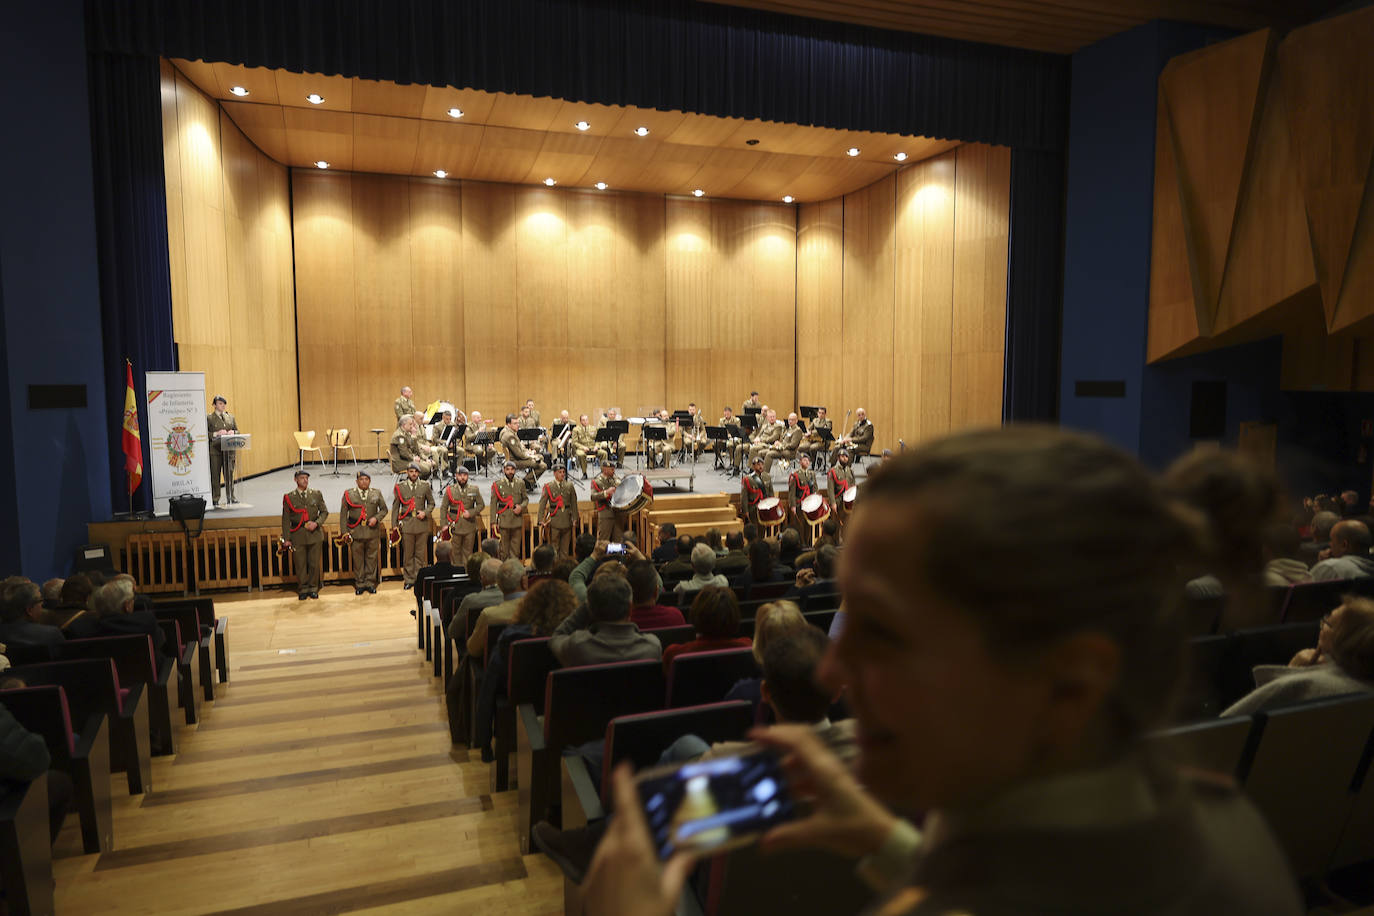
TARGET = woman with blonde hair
x,y
771,621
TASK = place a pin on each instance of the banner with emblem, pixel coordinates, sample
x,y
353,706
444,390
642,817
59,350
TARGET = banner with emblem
x,y
177,436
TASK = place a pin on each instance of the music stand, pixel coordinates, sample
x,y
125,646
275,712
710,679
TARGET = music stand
x,y
808,412
653,434
823,453
752,411
718,435
483,440
611,436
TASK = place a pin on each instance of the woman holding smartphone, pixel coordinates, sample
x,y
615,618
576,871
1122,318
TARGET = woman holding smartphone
x,y
1015,626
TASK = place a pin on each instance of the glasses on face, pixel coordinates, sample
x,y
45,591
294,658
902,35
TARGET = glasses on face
x,y
1326,619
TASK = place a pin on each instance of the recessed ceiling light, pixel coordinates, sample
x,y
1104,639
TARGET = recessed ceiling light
x,y
787,199
550,182
641,131
440,173
900,157
314,98
455,112
601,186
583,125
698,192
852,151
239,91
321,164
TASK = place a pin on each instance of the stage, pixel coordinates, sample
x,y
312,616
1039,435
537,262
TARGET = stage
x,y
238,546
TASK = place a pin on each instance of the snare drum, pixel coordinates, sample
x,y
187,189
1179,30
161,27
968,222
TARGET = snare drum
x,y
770,511
631,495
815,509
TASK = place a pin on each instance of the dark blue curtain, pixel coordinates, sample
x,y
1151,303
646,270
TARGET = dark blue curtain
x,y
131,232
1035,285
668,54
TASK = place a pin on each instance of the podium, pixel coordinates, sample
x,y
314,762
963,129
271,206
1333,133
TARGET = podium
x,y
232,444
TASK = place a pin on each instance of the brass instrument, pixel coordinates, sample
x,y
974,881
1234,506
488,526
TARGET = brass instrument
x,y
843,442
284,546
342,539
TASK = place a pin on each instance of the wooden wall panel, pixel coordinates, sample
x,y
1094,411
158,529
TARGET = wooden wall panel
x,y
639,301
979,317
869,292
230,258
924,299
820,293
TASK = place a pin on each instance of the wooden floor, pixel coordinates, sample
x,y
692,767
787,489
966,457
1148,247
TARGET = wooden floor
x,y
321,780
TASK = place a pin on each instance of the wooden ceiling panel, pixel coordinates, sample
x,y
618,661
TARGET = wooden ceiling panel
x,y
315,134
506,154
380,143
265,125
393,99
261,84
564,158
660,123
602,118
451,146
475,106
524,112
620,162
293,89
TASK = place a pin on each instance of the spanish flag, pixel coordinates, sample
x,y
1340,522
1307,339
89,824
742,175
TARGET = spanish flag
x,y
132,441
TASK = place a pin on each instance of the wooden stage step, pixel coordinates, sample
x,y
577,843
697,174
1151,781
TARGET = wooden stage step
x,y
679,516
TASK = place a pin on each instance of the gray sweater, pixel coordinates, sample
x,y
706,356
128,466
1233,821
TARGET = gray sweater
x,y
1349,566
1280,685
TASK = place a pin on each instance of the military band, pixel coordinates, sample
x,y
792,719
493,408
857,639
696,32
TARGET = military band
x,y
404,406
303,514
531,464
362,522
610,522
812,443
860,438
755,486
583,443
411,513
788,441
766,436
694,432
407,448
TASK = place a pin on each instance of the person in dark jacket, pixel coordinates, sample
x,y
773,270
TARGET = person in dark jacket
x,y
24,757
21,607
116,615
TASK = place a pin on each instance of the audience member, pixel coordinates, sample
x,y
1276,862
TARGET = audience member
x,y
751,533
597,561
703,574
645,611
1007,703
562,570
1350,504
715,541
601,631
735,561
820,578
547,604
1281,564
442,568
21,605
715,617
543,559
680,567
115,615
666,551
1322,523
488,595
24,757
583,546
773,620
1342,662
492,547
1348,554
473,564
52,593
830,534
511,579
789,547
763,568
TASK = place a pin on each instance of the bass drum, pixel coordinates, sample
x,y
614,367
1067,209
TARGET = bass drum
x,y
770,511
631,495
815,509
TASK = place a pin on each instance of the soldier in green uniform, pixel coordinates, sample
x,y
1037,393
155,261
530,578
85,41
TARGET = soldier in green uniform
x,y
362,517
476,426
813,443
303,512
461,508
785,446
656,451
601,447
219,424
533,413
860,438
411,511
839,479
801,483
694,433
558,512
406,449
508,501
768,433
583,442
734,445
516,452
610,524
754,486
404,406
751,401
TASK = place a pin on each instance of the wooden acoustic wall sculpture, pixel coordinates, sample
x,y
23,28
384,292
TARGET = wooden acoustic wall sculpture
x,y
1264,203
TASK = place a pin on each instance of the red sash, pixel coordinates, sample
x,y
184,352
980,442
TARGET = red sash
x,y
303,513
504,502
602,493
840,485
409,504
362,512
755,493
462,507
555,501
803,489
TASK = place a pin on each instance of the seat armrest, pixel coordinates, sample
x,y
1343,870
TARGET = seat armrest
x,y
581,801
92,730
531,726
129,704
165,667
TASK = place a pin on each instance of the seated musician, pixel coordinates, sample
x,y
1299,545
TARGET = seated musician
x,y
734,444
406,449
531,464
476,426
438,450
812,443
860,438
694,432
583,442
656,451
611,413
766,436
786,445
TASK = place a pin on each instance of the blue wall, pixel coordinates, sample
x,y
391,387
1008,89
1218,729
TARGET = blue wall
x,y
1108,227
49,287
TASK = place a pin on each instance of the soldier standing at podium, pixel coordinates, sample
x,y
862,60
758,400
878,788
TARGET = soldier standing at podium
x,y
221,423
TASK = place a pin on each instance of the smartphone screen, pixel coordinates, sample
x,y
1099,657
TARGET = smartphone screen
x,y
712,805
612,549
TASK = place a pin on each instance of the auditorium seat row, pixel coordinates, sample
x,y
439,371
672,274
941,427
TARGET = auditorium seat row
x,y
1305,601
